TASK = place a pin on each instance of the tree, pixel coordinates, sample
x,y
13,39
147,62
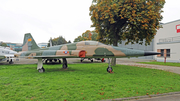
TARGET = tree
x,y
3,44
131,20
57,41
69,41
88,35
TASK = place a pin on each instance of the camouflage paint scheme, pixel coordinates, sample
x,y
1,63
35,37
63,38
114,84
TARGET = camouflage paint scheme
x,y
88,49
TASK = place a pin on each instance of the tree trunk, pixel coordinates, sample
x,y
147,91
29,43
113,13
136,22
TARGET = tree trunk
x,y
113,60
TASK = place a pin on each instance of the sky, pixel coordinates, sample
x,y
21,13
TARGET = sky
x,y
46,19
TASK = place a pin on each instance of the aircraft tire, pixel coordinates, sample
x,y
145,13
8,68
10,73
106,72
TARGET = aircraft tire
x,y
41,70
109,69
64,66
11,62
91,60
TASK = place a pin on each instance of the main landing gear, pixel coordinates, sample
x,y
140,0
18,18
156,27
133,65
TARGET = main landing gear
x,y
64,66
40,65
109,69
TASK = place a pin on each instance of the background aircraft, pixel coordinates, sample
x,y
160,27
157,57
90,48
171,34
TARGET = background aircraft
x,y
2,57
83,49
6,54
91,59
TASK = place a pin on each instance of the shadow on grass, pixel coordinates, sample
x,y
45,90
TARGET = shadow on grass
x,y
69,69
87,62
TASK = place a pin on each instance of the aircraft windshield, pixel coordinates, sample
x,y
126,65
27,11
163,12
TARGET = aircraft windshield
x,y
100,43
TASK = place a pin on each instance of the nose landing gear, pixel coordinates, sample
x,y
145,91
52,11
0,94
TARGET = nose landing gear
x,y
109,69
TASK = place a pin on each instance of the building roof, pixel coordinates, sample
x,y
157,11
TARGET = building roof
x,y
17,44
171,22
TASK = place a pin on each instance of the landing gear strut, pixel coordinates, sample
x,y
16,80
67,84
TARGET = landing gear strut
x,y
109,69
64,66
11,62
40,66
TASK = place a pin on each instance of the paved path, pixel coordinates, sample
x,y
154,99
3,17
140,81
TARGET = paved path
x,y
166,68
175,96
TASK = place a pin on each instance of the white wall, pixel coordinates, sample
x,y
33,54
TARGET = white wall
x,y
168,31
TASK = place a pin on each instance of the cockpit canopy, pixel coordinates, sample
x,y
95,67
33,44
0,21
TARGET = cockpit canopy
x,y
93,43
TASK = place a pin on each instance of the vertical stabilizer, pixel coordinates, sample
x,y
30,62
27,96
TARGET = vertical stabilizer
x,y
29,43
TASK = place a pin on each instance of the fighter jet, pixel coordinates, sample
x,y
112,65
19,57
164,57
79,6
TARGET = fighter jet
x,y
82,49
6,54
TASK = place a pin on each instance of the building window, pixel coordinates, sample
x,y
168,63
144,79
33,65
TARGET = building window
x,y
162,52
167,52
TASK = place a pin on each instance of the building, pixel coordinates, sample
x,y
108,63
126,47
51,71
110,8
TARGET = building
x,y
42,45
167,41
15,46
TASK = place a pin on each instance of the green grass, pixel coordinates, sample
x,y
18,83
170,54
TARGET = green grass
x,y
82,82
162,63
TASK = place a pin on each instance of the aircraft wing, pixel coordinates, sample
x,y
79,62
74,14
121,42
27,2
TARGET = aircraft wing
x,y
52,54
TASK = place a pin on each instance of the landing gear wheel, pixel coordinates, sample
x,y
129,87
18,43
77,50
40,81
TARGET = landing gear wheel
x,y
41,70
81,60
91,60
64,66
11,62
109,69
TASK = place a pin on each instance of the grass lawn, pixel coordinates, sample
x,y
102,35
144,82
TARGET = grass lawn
x,y
162,63
82,82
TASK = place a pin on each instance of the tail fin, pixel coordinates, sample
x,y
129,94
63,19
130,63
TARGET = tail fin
x,y
29,43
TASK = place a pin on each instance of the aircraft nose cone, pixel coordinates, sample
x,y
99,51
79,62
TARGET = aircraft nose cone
x,y
147,53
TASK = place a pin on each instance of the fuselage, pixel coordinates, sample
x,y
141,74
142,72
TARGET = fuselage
x,y
83,49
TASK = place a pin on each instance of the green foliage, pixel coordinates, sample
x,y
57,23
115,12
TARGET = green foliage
x,y
162,63
131,20
69,41
88,35
3,44
82,82
57,41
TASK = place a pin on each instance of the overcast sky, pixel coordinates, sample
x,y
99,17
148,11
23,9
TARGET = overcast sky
x,y
53,18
